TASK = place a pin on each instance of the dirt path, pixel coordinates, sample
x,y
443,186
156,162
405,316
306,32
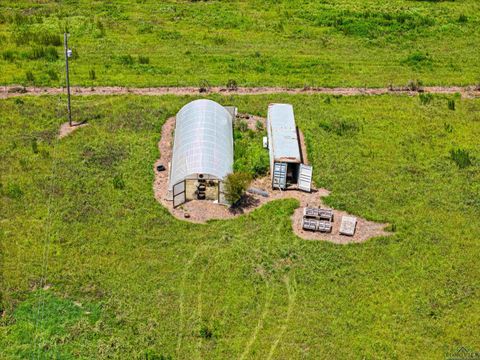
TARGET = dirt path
x,y
16,90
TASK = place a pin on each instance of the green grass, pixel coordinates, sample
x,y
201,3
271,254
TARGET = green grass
x,y
153,286
285,43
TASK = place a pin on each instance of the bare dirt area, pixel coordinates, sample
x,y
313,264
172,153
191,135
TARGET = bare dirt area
x,y
252,120
200,211
66,129
16,90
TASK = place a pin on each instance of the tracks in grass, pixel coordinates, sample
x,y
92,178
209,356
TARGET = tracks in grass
x,y
292,294
253,337
16,90
197,315
182,299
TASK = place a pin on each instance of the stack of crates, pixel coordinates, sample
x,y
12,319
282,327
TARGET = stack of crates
x,y
317,219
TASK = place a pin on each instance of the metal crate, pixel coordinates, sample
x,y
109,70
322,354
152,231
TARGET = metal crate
x,y
309,224
318,213
324,226
310,212
325,214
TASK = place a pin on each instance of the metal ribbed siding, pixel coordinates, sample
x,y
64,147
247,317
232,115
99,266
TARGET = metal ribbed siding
x,y
282,134
203,142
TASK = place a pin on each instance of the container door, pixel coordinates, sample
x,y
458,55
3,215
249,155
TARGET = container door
x,y
305,178
279,175
179,196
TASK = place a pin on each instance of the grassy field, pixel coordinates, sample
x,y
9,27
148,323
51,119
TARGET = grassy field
x,y
127,280
285,43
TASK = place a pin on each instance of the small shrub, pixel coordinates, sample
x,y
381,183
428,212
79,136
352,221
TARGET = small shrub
x,y
425,99
118,182
143,59
52,74
259,125
74,54
100,29
219,40
206,332
49,53
145,28
414,85
451,104
8,55
34,146
462,19
261,164
29,76
204,86
392,227
232,85
340,127
242,125
13,191
448,127
49,39
126,60
461,157
91,74
418,59
235,186
22,36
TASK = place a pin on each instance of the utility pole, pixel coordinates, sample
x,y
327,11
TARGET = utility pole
x,y
68,53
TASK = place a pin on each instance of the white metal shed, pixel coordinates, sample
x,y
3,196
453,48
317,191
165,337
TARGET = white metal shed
x,y
284,146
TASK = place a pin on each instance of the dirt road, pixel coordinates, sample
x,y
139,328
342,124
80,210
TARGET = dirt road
x,y
15,90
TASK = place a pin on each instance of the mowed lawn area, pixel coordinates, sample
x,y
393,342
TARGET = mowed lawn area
x,y
124,279
252,42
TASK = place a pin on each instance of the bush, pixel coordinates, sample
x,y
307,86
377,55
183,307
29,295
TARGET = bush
x,y
8,55
52,74
49,53
414,85
34,146
143,59
204,86
418,59
13,191
232,85
91,74
448,127
206,332
29,76
49,39
462,18
242,126
451,105
461,157
118,182
259,126
340,127
425,99
235,186
126,60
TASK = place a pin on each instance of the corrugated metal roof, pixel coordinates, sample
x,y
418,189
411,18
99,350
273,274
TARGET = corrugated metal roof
x,y
282,134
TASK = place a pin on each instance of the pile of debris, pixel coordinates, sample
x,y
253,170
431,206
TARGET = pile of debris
x,y
318,219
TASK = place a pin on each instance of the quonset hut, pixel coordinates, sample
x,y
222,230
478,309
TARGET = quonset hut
x,y
286,161
202,152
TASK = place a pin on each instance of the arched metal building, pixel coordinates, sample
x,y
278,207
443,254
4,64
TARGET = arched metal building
x,y
202,151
